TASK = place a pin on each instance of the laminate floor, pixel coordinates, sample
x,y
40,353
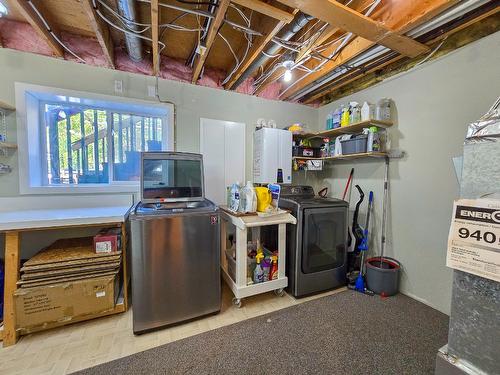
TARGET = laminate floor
x,y
82,345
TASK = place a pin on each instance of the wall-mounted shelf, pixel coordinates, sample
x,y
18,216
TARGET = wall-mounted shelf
x,y
6,106
353,128
346,157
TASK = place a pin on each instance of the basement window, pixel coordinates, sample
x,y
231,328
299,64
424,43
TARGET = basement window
x,y
81,142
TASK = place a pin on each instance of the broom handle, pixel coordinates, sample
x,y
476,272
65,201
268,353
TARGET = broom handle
x,y
384,215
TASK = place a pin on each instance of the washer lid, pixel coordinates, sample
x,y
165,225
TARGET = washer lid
x,y
169,208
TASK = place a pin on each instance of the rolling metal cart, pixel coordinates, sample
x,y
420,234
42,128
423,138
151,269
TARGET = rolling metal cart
x,y
241,289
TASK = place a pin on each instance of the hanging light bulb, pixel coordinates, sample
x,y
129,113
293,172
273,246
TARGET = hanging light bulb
x,y
288,76
288,64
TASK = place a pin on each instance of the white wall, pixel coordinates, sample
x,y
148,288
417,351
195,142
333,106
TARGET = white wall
x,y
434,104
192,102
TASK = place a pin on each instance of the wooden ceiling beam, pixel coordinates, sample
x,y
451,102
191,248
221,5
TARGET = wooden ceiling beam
x,y
255,51
102,33
327,33
24,8
212,34
458,38
349,20
412,14
154,36
267,9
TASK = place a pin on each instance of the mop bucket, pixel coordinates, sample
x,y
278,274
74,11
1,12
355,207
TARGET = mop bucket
x,y
382,277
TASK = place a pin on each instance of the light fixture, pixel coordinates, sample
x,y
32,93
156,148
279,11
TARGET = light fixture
x,y
3,10
288,64
288,76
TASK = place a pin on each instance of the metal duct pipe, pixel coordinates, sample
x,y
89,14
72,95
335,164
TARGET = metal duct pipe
x,y
126,9
299,21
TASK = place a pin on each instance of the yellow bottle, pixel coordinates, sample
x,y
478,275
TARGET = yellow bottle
x,y
344,119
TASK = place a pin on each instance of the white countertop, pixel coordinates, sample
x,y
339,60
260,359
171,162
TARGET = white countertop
x,y
46,218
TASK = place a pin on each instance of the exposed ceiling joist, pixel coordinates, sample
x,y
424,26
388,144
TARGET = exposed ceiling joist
x,y
255,52
457,37
327,33
25,9
413,15
349,20
101,31
264,8
154,36
212,34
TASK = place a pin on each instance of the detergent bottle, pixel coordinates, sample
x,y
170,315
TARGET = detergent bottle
x,y
235,197
258,273
273,274
344,119
336,118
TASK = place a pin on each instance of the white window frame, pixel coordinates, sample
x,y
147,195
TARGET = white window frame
x,y
31,150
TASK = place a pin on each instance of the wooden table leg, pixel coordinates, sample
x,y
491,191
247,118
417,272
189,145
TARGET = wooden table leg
x,y
12,250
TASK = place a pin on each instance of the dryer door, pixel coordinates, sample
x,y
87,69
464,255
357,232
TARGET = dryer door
x,y
324,239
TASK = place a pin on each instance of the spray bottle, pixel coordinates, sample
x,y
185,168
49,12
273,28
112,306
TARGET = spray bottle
x,y
273,274
258,273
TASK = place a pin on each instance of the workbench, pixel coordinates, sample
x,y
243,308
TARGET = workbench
x,y
243,223
14,221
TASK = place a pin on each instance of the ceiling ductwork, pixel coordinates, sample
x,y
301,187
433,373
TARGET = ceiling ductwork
x,y
126,8
300,20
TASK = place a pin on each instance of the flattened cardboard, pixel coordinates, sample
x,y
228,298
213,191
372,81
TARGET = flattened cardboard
x,y
64,301
61,279
67,249
71,263
71,271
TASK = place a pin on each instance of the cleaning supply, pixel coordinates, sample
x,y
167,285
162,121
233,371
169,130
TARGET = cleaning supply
x,y
375,139
258,273
275,190
266,267
264,198
345,117
367,111
273,274
248,198
354,112
235,197
336,115
383,110
363,248
329,121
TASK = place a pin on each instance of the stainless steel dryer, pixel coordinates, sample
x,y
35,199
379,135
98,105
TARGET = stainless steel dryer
x,y
317,245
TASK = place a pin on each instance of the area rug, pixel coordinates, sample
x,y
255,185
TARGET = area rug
x,y
345,333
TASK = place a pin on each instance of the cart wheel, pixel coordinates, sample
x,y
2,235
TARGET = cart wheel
x,y
237,302
279,292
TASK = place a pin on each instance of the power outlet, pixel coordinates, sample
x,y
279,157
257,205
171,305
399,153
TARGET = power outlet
x,y
152,91
119,87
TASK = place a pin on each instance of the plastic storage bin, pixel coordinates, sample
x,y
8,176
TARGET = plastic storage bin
x,y
355,145
309,152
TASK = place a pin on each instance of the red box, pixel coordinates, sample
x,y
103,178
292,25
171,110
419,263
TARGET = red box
x,y
107,241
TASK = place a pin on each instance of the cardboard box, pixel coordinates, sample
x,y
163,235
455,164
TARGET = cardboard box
x,y
65,301
107,241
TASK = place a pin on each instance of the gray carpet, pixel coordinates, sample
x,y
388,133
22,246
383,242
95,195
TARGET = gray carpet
x,y
347,333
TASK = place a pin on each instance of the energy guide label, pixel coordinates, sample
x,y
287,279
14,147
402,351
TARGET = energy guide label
x,y
474,239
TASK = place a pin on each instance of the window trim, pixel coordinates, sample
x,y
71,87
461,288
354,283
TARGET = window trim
x,y
30,148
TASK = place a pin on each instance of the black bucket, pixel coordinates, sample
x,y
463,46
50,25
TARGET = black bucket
x,y
382,277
